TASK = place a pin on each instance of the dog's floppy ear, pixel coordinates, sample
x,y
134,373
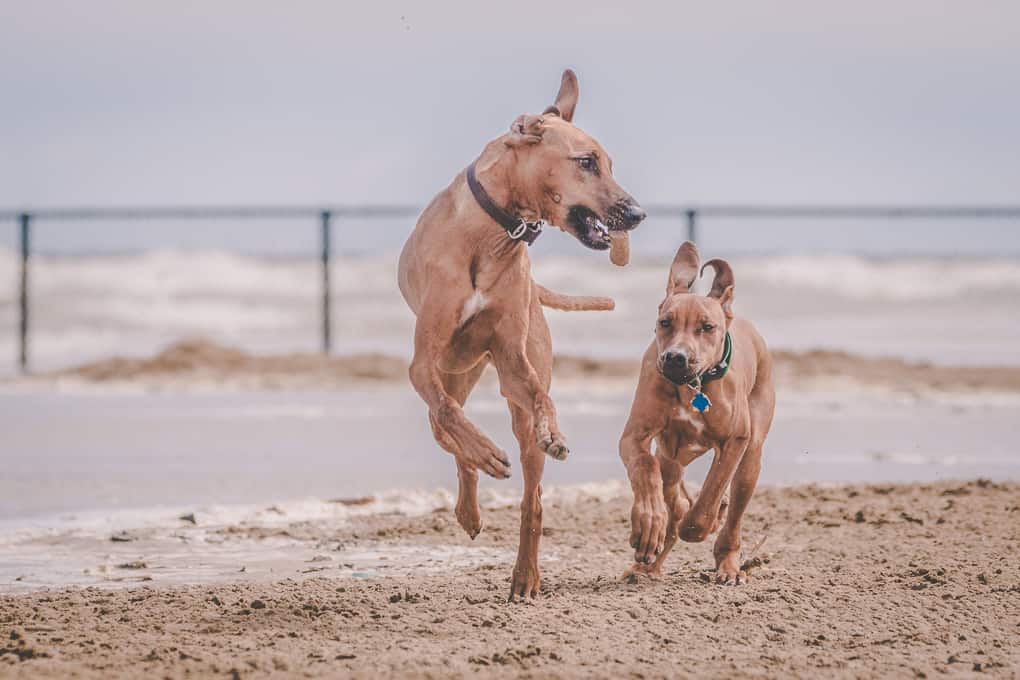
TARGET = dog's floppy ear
x,y
722,284
526,129
566,98
684,269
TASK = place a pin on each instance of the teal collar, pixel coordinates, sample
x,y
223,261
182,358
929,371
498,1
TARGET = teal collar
x,y
717,371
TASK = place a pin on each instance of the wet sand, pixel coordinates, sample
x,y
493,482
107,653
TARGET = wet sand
x,y
852,581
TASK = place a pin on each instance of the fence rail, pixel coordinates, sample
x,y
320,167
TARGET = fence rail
x,y
324,216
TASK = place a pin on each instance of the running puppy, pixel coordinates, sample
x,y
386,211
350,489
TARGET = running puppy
x,y
706,383
465,272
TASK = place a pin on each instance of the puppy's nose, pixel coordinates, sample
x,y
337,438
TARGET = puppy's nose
x,y
634,214
675,357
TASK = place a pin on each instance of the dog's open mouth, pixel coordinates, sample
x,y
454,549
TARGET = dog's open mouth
x,y
588,228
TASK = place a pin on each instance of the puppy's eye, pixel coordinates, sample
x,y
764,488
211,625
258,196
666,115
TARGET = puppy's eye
x,y
588,164
707,328
665,323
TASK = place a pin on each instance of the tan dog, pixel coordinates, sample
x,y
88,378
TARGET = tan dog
x,y
466,274
689,358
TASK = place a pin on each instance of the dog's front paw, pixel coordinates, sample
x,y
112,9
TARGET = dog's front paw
x,y
489,458
555,446
550,441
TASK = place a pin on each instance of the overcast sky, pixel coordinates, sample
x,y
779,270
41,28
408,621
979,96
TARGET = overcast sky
x,y
238,101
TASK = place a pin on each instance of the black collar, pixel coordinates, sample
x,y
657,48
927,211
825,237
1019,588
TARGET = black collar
x,y
516,227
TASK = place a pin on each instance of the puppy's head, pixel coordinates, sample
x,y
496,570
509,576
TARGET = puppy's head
x,y
569,174
690,332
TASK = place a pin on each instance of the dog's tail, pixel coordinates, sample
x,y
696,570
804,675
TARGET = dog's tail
x,y
573,303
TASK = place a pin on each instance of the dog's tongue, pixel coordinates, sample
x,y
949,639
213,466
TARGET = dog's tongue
x,y
619,248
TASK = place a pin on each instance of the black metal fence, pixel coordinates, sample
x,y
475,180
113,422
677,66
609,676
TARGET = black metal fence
x,y
326,216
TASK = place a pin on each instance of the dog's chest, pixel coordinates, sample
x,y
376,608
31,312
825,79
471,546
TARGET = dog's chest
x,y
690,433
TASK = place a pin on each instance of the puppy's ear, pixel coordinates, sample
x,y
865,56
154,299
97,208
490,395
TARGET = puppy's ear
x,y
722,284
526,129
566,98
684,269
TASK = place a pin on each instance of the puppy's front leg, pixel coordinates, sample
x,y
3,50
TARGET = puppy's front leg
x,y
727,544
648,418
649,515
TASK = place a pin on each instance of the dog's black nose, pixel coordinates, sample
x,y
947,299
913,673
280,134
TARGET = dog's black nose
x,y
634,214
674,357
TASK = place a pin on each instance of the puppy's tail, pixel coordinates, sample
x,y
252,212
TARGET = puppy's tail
x,y
573,303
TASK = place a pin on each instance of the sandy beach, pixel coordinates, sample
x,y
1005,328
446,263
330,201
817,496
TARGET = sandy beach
x,y
850,581
212,511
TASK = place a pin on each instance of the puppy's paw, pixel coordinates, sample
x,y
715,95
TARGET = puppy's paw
x,y
638,571
648,522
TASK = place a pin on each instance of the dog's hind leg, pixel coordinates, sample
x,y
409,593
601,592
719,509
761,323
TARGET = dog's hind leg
x,y
526,577
459,386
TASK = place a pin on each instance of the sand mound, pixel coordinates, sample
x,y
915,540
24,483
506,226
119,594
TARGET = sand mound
x,y
199,361
203,361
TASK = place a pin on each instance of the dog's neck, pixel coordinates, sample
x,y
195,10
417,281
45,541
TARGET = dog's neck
x,y
498,171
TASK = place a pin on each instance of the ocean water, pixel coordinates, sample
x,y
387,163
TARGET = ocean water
x,y
949,310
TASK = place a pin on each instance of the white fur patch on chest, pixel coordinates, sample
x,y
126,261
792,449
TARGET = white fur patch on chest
x,y
692,421
690,425
474,304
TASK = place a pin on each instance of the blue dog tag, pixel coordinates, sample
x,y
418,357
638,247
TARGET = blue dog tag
x,y
700,402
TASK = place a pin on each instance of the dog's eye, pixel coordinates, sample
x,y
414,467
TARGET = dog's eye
x,y
707,328
665,323
587,164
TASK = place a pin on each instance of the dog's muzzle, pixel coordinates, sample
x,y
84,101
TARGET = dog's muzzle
x,y
625,215
675,365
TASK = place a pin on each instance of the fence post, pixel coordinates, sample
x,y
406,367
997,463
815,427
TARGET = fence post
x,y
692,226
25,221
327,324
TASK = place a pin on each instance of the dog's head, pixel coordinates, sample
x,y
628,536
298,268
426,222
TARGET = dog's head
x,y
690,332
569,174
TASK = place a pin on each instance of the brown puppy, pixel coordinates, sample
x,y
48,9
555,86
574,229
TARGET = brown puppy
x,y
465,272
689,357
